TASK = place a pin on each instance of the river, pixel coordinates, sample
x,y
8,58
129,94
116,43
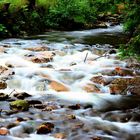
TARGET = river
x,y
56,68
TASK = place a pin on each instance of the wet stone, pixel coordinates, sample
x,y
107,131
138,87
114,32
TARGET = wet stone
x,y
3,85
11,125
3,96
122,85
39,106
91,88
19,105
3,131
60,135
74,107
45,128
38,48
58,86
22,95
33,102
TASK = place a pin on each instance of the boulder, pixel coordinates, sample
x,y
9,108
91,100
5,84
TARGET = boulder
x,y
58,86
125,71
19,105
102,80
135,90
101,25
38,48
119,85
3,97
42,57
45,128
22,95
4,131
91,88
74,107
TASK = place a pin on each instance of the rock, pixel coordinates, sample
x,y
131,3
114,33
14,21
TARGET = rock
x,y
39,106
98,80
91,88
101,25
33,102
135,66
50,108
11,125
19,105
113,51
121,84
114,23
3,85
10,112
135,90
96,138
45,128
3,69
58,86
3,131
59,135
19,119
74,107
38,48
2,49
124,71
41,60
22,95
3,96
71,117
42,57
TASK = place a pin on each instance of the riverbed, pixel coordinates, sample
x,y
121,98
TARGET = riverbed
x,y
70,74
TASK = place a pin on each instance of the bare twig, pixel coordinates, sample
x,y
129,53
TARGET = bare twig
x,y
86,57
12,92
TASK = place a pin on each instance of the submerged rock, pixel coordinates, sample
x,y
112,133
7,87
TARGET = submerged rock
x,y
19,105
45,128
59,135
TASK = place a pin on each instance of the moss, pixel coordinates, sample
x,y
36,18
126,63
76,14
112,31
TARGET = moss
x,y
21,105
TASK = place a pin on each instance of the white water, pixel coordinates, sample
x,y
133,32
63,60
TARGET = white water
x,y
28,75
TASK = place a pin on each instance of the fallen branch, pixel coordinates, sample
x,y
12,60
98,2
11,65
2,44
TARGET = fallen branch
x,y
86,57
12,92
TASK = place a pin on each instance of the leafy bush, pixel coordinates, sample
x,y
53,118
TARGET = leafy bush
x,y
3,30
68,12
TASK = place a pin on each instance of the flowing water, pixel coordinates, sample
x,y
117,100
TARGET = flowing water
x,y
63,61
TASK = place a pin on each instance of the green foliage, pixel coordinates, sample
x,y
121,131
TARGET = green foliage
x,y
3,30
67,12
132,25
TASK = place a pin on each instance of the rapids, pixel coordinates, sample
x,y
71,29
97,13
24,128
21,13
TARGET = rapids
x,y
70,68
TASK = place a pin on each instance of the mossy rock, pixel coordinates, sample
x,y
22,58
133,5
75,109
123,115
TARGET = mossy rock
x,y
20,105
